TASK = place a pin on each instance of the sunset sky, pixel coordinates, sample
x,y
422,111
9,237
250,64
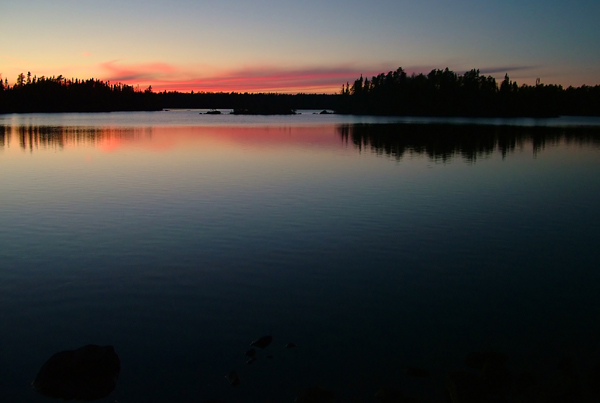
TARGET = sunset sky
x,y
297,46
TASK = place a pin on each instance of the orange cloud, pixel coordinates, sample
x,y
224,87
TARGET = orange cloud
x,y
140,72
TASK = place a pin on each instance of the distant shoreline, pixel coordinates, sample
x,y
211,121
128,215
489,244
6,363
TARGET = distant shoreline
x,y
441,93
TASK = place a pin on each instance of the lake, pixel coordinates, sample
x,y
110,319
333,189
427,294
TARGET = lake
x,y
374,244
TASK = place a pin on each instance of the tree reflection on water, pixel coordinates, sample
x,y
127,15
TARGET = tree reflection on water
x,y
442,142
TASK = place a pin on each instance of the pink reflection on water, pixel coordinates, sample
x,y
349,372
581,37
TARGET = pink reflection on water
x,y
160,139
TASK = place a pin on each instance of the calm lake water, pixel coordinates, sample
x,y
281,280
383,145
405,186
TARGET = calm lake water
x,y
373,244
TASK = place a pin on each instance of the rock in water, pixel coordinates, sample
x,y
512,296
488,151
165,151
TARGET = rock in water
x,y
262,342
88,373
233,378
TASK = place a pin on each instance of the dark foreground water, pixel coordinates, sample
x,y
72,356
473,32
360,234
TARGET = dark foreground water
x,y
372,244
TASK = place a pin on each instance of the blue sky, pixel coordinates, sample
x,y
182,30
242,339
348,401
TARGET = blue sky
x,y
293,46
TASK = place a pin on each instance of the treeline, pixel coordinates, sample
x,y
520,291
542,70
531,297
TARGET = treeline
x,y
58,94
445,93
439,93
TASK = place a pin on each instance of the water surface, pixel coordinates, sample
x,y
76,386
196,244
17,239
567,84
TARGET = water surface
x,y
372,243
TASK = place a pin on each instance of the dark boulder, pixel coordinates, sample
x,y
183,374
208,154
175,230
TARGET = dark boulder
x,y
262,342
88,373
233,378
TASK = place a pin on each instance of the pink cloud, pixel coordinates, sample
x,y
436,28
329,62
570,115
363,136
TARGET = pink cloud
x,y
257,79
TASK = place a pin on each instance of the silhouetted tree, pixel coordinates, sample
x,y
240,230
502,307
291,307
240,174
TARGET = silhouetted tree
x,y
445,93
57,94
20,80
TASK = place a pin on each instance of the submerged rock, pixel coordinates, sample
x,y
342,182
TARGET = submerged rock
x,y
233,378
262,342
88,373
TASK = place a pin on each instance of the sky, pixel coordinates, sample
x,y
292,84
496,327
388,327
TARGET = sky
x,y
297,46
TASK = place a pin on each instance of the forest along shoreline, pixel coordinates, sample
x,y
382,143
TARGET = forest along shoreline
x,y
439,93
